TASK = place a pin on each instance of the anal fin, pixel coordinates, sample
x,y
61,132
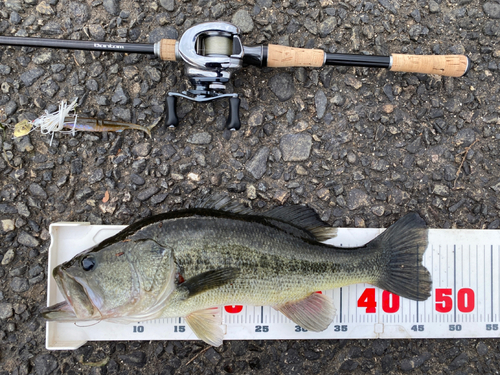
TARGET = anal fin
x,y
206,324
314,312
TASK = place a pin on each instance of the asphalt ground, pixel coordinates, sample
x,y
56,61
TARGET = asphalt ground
x,y
361,146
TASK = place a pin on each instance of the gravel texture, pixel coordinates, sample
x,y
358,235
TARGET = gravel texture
x,y
362,146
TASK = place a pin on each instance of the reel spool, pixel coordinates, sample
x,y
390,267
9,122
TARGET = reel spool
x,y
217,45
211,52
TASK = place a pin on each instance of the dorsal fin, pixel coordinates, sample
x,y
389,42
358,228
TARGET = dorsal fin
x,y
223,203
305,218
299,216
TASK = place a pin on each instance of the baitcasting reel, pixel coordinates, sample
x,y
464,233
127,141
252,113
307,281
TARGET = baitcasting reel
x,y
212,51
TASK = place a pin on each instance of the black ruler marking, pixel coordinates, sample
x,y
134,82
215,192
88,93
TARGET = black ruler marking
x,y
262,315
340,305
418,283
491,283
455,282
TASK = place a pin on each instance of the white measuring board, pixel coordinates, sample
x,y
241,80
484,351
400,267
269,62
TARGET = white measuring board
x,y
465,300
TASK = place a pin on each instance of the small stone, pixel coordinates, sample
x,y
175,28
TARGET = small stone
x,y
296,147
6,310
27,239
153,73
320,101
465,137
338,100
352,81
433,7
357,198
83,194
323,193
122,113
492,10
212,356
98,33
96,175
243,20
112,7
251,192
282,86
15,5
281,196
29,77
327,26
256,117
19,285
482,348
120,96
459,361
348,366
388,108
37,191
8,257
79,12
44,8
147,193
417,361
378,210
45,364
258,164
162,33
390,5
43,58
136,359
142,149
168,5
203,138
7,225
441,190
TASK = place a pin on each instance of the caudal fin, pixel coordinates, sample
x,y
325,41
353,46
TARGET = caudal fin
x,y
402,246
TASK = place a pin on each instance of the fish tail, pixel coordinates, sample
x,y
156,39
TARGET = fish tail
x,y
402,247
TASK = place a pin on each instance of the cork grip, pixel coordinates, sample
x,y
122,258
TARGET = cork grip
x,y
282,56
167,49
444,65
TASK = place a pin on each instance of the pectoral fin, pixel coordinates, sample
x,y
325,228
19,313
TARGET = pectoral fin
x,y
206,324
314,312
209,280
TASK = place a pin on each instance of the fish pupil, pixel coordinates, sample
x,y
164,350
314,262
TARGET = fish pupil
x,y
88,263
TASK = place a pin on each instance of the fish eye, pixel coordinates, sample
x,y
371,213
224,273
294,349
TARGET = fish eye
x,y
88,263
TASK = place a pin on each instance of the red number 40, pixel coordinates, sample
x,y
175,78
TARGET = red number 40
x,y
390,301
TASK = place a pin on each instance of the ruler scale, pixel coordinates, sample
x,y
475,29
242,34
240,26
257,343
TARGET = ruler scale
x,y
465,300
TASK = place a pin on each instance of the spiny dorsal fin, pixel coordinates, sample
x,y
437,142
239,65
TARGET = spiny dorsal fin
x,y
206,325
300,216
314,312
209,280
223,203
305,218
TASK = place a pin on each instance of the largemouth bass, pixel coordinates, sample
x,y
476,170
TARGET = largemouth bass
x,y
190,263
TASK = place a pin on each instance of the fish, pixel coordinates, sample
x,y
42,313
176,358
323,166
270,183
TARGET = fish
x,y
191,262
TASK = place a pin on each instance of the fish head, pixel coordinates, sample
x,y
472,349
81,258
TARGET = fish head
x,y
107,282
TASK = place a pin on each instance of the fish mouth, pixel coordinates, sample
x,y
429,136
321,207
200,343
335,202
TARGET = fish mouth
x,y
77,305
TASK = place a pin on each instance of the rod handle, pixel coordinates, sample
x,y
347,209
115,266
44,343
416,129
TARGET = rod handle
x,y
444,65
283,56
167,49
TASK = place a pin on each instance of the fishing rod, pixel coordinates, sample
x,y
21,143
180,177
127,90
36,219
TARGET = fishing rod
x,y
212,51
